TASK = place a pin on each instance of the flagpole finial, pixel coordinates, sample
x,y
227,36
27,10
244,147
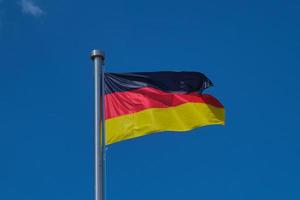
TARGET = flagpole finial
x,y
97,53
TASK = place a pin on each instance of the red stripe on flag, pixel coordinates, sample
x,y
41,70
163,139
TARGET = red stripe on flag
x,y
122,103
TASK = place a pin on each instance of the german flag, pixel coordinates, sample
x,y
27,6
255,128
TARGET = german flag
x,y
138,104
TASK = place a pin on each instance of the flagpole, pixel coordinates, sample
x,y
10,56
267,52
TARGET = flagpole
x,y
98,57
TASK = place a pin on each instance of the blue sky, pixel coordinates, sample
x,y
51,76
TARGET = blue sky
x,y
249,49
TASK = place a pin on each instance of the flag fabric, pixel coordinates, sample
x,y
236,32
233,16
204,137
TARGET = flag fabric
x,y
138,104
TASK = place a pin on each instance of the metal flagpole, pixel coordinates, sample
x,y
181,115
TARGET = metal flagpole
x,y
98,57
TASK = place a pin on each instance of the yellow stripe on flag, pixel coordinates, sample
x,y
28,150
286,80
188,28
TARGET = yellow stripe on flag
x,y
178,118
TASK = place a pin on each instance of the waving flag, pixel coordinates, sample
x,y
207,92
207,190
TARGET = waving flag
x,y
138,104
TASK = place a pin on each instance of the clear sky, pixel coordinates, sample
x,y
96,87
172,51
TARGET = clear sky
x,y
249,49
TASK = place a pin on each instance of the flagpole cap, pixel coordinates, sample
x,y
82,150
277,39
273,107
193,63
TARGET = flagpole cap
x,y
97,53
